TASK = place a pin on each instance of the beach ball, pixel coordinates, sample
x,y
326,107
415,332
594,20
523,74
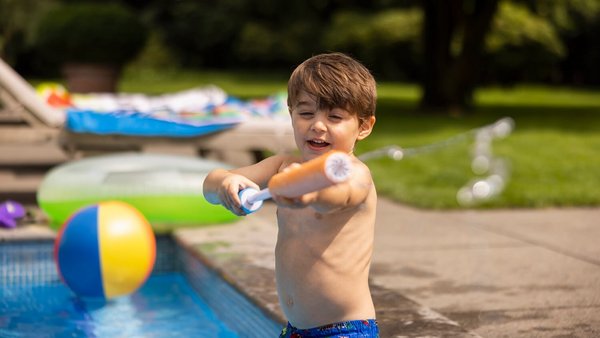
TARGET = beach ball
x,y
105,250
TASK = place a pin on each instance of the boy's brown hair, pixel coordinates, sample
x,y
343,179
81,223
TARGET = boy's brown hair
x,y
336,80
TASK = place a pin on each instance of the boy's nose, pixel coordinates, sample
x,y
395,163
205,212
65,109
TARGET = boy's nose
x,y
319,125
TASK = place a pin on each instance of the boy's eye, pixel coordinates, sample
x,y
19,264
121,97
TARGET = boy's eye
x,y
306,114
335,117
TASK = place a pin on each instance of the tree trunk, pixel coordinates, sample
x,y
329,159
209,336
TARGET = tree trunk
x,y
450,77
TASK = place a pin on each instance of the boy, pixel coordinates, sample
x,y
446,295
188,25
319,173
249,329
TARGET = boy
x,y
325,238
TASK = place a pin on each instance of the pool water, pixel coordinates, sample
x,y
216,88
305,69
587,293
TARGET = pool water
x,y
182,298
165,306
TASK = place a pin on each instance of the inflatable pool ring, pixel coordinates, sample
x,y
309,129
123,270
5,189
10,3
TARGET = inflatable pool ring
x,y
105,250
167,189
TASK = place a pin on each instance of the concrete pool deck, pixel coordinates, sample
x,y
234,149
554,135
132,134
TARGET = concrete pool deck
x,y
500,273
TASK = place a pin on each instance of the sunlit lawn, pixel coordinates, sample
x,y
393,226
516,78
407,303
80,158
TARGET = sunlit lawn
x,y
554,152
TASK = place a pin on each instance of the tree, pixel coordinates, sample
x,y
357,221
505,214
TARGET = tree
x,y
455,38
454,34
17,18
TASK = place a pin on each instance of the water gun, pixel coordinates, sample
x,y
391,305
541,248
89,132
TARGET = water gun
x,y
324,171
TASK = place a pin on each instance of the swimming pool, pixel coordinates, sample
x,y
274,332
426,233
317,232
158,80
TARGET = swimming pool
x,y
182,298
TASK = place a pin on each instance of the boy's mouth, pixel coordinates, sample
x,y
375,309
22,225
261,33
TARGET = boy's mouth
x,y
317,144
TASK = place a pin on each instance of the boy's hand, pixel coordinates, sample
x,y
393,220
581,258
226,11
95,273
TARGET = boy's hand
x,y
229,189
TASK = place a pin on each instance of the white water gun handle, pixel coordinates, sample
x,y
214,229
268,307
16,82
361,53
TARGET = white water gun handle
x,y
252,199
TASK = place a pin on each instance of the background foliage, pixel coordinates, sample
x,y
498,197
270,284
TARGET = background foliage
x,y
90,32
531,40
553,151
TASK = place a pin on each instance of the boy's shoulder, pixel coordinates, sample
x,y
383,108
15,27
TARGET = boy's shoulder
x,y
280,161
362,177
287,159
361,167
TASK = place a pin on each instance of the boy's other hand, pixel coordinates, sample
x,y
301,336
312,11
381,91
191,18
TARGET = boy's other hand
x,y
229,190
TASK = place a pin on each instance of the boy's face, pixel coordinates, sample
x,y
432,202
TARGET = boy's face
x,y
318,131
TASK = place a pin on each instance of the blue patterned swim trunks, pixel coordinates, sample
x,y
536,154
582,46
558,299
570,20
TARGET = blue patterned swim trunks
x,y
349,329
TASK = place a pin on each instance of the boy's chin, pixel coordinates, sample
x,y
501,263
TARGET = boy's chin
x,y
312,152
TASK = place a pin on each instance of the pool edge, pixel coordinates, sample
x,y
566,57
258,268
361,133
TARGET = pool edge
x,y
229,278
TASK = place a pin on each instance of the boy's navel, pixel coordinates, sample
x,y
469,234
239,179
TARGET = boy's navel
x,y
289,301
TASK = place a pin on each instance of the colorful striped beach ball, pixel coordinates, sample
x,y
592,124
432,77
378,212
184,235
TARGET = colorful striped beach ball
x,y
105,250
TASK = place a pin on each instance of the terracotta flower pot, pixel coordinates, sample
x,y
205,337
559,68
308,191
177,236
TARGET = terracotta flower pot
x,y
91,78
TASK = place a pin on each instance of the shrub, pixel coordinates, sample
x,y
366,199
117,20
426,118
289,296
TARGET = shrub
x,y
91,33
386,41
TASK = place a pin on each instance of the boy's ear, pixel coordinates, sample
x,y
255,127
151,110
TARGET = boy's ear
x,y
366,128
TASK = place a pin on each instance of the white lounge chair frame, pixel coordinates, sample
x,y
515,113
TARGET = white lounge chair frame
x,y
24,115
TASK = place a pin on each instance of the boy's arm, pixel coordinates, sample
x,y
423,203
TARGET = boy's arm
x,y
222,186
337,197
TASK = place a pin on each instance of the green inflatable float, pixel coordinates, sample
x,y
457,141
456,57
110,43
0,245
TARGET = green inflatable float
x,y
167,189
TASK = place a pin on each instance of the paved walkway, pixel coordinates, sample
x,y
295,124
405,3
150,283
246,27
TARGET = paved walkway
x,y
509,273
518,273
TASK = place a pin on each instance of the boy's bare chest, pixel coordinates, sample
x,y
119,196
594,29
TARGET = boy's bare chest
x,y
304,230
304,221
308,240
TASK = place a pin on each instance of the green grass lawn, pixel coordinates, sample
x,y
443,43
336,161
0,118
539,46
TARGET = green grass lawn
x,y
554,151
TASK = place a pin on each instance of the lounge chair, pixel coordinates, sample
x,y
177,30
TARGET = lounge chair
x,y
26,118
